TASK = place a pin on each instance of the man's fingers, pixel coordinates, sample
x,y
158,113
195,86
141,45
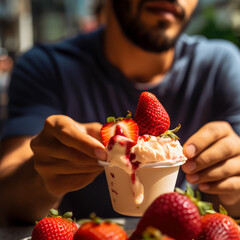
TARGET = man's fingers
x,y
217,172
71,133
60,151
222,150
93,129
205,137
62,167
61,184
227,186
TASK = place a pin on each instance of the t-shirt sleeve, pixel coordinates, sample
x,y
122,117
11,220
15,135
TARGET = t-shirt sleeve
x,y
227,94
33,93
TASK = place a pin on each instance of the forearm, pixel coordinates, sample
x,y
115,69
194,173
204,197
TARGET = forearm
x,y
23,194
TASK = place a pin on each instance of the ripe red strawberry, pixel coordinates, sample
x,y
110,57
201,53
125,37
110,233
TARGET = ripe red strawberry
x,y
55,227
218,226
174,214
124,127
100,230
151,116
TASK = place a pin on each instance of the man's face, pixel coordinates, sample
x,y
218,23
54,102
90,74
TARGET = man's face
x,y
153,25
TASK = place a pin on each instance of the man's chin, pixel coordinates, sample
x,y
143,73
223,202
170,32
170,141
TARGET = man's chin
x,y
157,43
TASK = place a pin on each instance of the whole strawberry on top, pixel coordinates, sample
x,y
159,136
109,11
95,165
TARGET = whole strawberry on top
x,y
97,229
54,227
151,116
174,214
219,226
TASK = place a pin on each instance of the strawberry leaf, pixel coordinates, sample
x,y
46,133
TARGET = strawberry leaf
x,y
179,190
190,192
151,233
203,207
53,212
111,119
67,215
223,210
198,195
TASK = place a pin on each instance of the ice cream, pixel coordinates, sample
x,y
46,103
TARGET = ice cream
x,y
143,156
127,155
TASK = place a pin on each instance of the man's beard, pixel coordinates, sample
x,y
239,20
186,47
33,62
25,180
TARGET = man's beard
x,y
152,40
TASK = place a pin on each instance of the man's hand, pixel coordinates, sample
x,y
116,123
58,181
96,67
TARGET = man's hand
x,y
66,153
214,161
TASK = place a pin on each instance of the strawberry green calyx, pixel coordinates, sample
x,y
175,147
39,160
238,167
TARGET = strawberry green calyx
x,y
222,210
92,218
96,220
203,207
151,233
67,216
53,213
171,133
113,119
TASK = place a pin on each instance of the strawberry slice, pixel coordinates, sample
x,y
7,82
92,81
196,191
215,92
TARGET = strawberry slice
x,y
124,127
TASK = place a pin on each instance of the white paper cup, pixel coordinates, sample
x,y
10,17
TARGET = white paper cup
x,y
156,178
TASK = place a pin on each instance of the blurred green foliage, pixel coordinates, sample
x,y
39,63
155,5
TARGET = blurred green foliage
x,y
213,29
216,21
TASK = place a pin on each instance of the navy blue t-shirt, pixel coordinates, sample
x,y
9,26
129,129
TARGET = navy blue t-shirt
x,y
74,78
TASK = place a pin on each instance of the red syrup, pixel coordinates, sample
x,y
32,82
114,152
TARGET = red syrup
x,y
113,139
114,191
119,131
128,144
133,177
145,138
112,175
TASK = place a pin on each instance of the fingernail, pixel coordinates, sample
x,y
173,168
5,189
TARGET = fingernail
x,y
100,154
189,166
204,187
193,178
190,150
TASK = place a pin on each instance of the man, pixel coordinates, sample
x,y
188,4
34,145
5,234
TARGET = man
x,y
60,95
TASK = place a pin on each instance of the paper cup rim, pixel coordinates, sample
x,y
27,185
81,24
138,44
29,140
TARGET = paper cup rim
x,y
148,165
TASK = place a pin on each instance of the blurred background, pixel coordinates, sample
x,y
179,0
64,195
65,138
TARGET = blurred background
x,y
24,23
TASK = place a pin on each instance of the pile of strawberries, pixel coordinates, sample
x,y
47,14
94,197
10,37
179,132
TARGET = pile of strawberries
x,y
177,215
54,227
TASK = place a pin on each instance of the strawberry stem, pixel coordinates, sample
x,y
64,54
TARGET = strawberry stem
x,y
129,115
171,133
113,119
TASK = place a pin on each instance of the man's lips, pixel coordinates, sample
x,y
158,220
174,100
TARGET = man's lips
x,y
160,7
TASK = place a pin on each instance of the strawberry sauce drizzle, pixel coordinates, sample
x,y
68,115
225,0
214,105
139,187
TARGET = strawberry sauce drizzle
x,y
112,175
145,138
114,191
128,144
133,177
119,131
